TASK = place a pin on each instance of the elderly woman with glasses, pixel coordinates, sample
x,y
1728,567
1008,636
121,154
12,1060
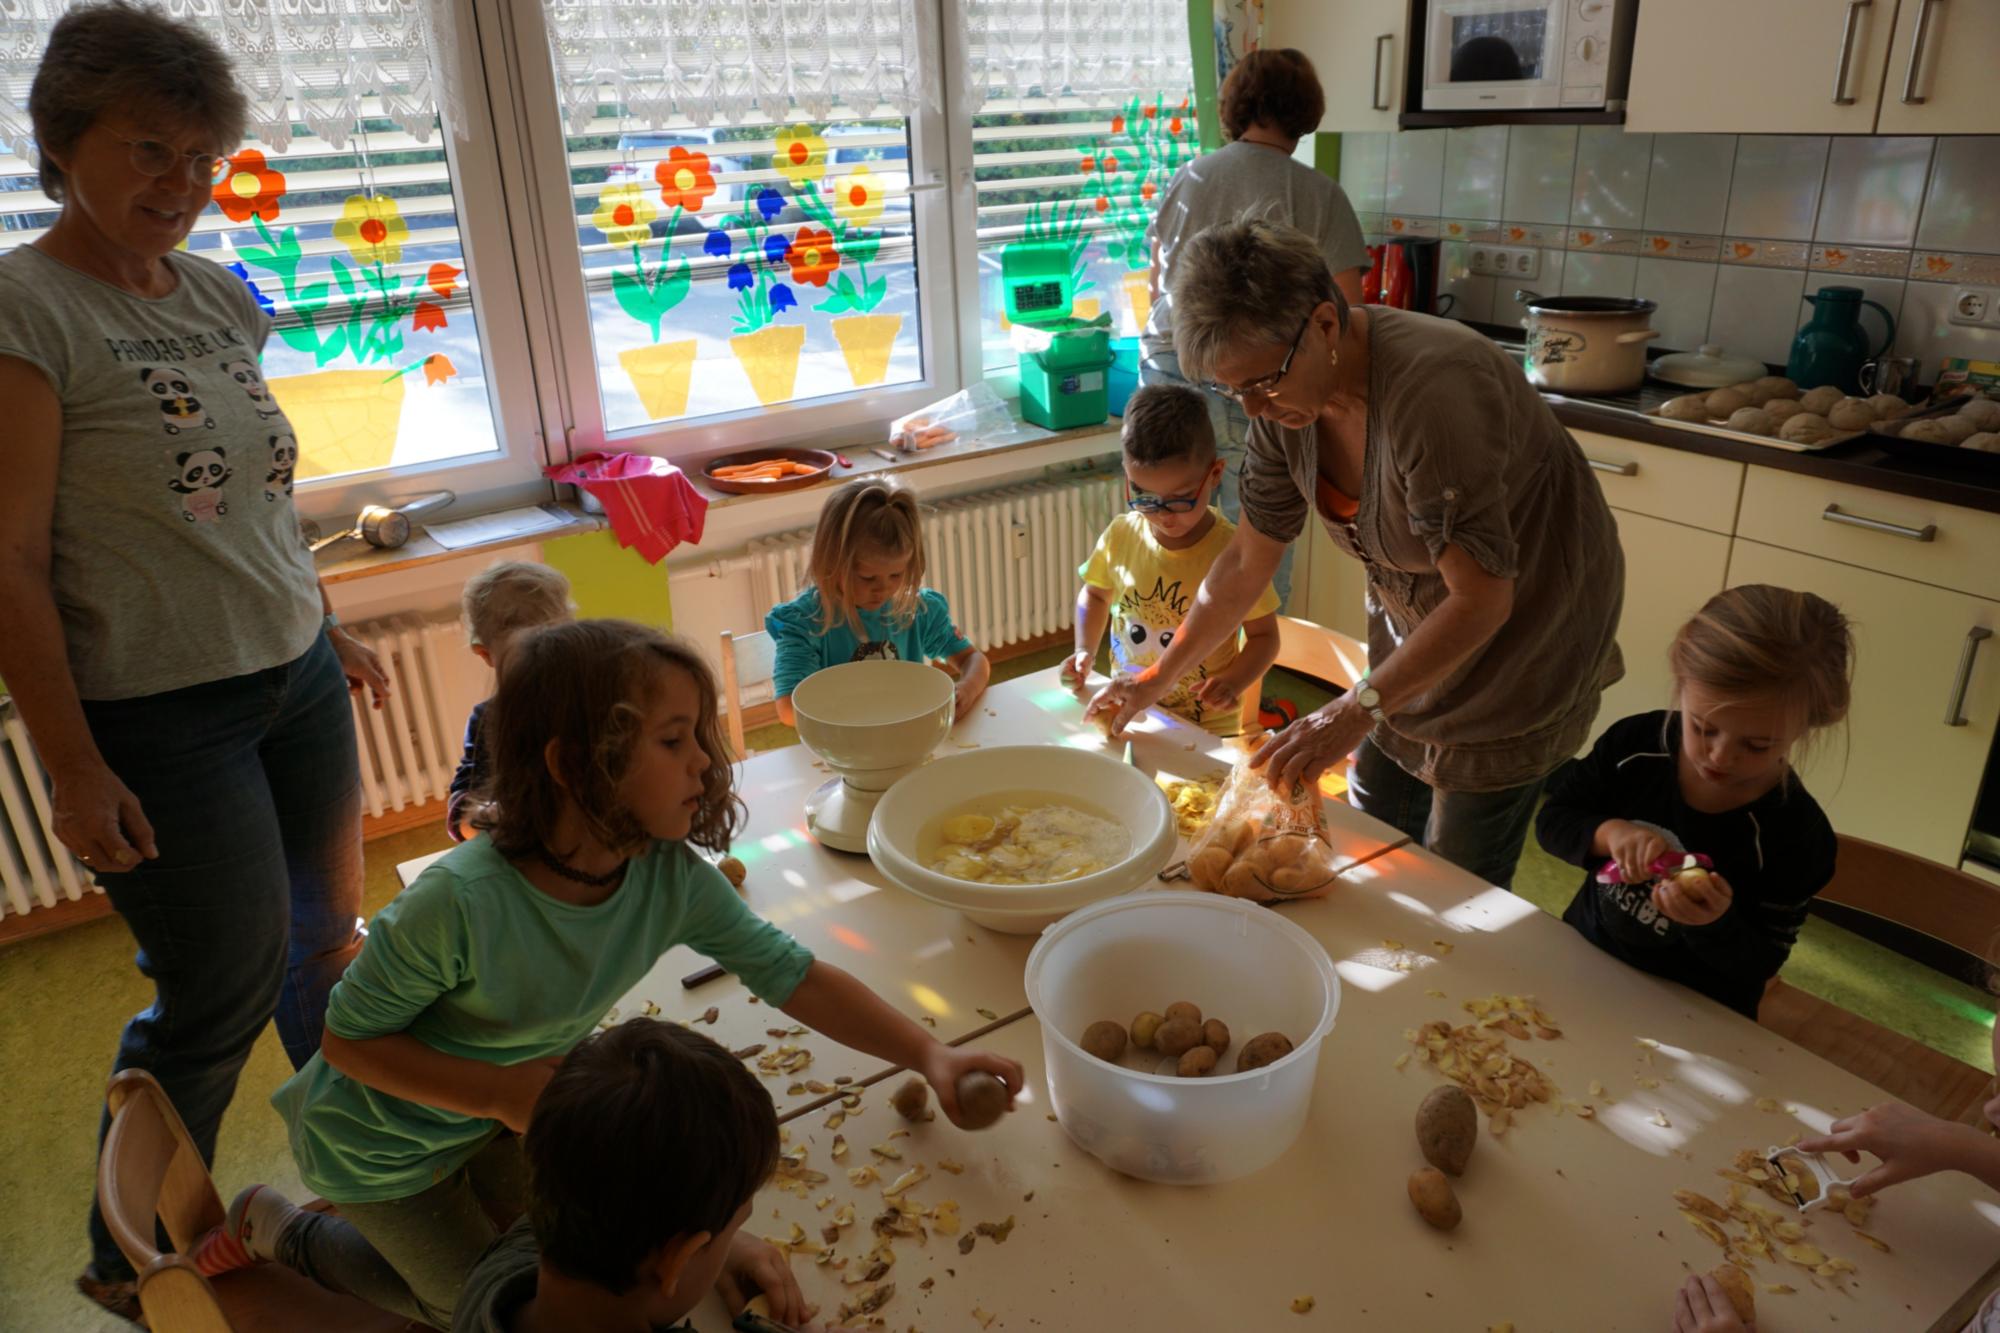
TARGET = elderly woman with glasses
x,y
1494,572
166,638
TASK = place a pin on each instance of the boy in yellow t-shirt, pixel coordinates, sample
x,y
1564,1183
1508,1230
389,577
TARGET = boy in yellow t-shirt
x,y
1142,578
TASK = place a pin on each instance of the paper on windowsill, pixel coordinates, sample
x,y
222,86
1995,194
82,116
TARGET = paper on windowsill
x,y
503,526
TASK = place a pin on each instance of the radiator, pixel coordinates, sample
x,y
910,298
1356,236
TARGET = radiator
x,y
411,747
1006,560
34,866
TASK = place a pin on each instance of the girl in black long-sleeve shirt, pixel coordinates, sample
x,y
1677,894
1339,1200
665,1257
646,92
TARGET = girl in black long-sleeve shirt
x,y
1756,672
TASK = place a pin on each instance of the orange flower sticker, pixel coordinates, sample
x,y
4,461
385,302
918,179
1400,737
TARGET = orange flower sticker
x,y
1516,233
1152,111
1118,124
1455,229
438,368
1396,224
1147,191
1662,244
1586,238
245,188
1743,249
1834,255
1937,263
1111,164
685,180
1174,126
429,315
812,256
443,278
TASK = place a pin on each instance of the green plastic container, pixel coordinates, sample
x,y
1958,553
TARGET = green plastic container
x,y
1064,343
1036,280
1065,395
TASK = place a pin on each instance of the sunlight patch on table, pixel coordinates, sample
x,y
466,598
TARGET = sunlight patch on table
x,y
1494,909
932,1002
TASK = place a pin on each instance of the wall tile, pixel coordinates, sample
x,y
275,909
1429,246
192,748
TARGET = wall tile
x,y
1611,171
1684,292
1962,207
1754,311
1687,189
1774,191
1416,173
1475,171
1474,292
1541,172
1886,291
1599,275
1548,282
1874,187
1925,334
1364,162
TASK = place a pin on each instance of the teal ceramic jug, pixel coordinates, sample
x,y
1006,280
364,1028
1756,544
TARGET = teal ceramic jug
x,y
1832,347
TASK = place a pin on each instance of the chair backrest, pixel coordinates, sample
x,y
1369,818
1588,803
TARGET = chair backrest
x,y
1321,653
150,1169
747,659
1938,900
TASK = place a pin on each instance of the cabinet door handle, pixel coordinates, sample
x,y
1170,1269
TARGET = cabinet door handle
x,y
1615,469
1376,101
1954,711
1928,532
1923,31
1854,8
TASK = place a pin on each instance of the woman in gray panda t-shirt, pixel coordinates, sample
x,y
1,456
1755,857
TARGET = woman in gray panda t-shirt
x,y
166,639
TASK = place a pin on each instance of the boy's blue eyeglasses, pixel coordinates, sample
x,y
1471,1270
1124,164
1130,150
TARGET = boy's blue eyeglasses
x,y
1144,502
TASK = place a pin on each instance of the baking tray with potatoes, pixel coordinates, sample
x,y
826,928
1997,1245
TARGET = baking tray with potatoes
x,y
1774,411
1961,432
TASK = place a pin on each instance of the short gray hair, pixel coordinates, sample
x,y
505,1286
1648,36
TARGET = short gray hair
x,y
1246,282
123,54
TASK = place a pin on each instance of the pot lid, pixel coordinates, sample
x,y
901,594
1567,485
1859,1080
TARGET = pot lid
x,y
1708,367
1587,305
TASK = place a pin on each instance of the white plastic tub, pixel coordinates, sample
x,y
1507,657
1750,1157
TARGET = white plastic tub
x,y
1240,962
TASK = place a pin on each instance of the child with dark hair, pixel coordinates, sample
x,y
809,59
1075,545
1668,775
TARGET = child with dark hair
x,y
644,1154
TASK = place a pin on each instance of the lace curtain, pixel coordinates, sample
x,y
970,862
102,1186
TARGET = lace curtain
x,y
313,62
740,61
1099,50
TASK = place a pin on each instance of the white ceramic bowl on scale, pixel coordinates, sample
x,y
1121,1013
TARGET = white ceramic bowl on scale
x,y
1240,962
872,722
906,822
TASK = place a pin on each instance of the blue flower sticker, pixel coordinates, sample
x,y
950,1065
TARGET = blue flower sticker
x,y
739,277
770,203
265,303
774,250
781,298
717,244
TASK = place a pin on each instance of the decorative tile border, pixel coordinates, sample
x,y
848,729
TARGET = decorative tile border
x,y
1675,245
1861,261
1765,254
1945,266
1603,241
1469,229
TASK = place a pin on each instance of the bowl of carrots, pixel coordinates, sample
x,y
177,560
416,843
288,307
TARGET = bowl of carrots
x,y
765,471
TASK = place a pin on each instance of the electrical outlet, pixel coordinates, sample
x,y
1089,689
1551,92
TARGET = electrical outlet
x,y
1503,261
1972,305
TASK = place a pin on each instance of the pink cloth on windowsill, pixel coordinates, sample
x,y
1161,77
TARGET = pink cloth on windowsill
x,y
651,504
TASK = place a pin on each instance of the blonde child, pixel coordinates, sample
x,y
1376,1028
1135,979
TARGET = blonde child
x,y
609,769
498,603
1757,672
867,598
1142,578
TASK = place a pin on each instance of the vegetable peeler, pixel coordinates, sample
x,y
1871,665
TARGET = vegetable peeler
x,y
1803,1195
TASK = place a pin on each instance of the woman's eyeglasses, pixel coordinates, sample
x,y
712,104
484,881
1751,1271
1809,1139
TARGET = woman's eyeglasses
x,y
150,157
1264,385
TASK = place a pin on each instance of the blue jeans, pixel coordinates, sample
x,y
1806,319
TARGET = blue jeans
x,y
1232,428
253,787
1479,831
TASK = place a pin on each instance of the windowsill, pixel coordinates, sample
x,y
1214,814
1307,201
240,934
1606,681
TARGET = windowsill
x,y
424,549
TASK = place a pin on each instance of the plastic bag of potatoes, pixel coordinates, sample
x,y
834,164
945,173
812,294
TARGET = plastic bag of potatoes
x,y
1261,845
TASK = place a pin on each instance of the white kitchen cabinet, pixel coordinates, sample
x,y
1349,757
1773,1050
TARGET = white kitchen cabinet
x,y
1670,570
1904,776
1941,67
1723,66
1358,47
1673,484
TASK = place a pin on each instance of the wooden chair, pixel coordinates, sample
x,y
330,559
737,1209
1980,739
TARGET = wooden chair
x,y
149,1170
1328,656
1919,895
747,659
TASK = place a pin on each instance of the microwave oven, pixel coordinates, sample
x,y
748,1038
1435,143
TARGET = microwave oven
x,y
1527,55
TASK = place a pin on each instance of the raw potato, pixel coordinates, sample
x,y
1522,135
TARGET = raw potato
x,y
1820,401
1722,402
1431,1192
1736,1285
1851,414
912,1099
1215,1035
1105,1040
982,1099
1198,1062
1806,428
1687,407
1783,409
1752,421
1184,1009
1143,1028
1263,1049
1240,880
1177,1036
1209,866
1447,1127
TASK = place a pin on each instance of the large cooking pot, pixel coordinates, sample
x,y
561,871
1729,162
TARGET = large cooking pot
x,y
1587,344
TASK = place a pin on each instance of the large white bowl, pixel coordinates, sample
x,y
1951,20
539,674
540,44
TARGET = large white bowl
x,y
1123,793
872,722
1242,963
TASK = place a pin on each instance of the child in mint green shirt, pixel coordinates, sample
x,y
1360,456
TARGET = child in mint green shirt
x,y
608,761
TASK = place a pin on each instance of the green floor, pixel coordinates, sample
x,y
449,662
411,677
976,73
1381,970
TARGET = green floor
x,y
64,997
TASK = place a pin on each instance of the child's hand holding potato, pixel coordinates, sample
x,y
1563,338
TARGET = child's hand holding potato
x,y
1693,897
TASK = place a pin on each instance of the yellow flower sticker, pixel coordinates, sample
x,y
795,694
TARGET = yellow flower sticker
x,y
858,197
372,229
800,156
625,215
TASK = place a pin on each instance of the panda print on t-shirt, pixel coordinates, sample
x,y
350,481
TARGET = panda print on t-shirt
x,y
198,480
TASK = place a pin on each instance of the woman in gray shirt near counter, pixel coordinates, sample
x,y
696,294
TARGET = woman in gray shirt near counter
x,y
1495,577
1270,101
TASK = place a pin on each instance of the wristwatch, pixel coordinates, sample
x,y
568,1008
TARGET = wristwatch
x,y
1370,698
330,624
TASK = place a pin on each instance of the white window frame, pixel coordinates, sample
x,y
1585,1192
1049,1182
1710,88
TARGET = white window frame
x,y
831,419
